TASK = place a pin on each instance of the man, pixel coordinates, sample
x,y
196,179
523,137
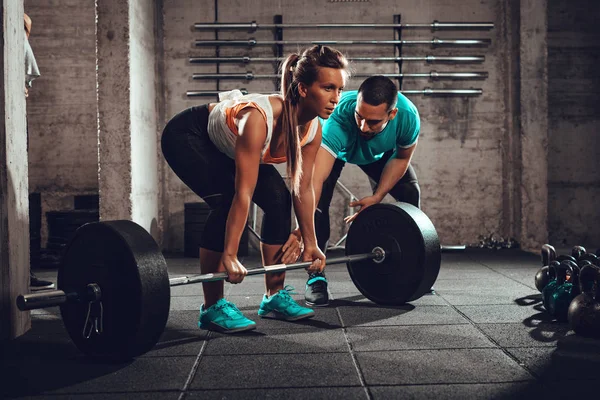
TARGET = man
x,y
377,129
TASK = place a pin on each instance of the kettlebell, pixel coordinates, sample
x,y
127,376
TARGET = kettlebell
x,y
558,293
541,277
584,310
577,252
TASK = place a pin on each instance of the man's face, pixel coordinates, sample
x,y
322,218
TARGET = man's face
x,y
372,119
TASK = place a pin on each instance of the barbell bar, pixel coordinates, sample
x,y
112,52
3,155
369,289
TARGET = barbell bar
x,y
435,25
430,75
114,288
53,298
427,58
426,92
433,42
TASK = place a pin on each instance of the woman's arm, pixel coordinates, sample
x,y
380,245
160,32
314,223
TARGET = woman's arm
x,y
304,205
249,144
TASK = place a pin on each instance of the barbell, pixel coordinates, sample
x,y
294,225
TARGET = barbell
x,y
433,75
434,42
114,288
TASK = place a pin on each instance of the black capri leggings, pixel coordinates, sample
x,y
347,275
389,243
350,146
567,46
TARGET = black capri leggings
x,y
211,175
407,190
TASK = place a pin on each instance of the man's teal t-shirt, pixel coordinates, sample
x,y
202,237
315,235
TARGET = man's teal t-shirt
x,y
341,135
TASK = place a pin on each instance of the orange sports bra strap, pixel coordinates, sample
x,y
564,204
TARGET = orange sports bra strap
x,y
232,112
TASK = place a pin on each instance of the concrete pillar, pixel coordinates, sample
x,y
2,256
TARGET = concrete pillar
x,y
14,208
127,112
533,53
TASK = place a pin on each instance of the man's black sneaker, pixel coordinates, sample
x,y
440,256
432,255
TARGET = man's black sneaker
x,y
316,290
38,284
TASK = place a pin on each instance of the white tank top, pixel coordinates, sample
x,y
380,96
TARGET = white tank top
x,y
224,138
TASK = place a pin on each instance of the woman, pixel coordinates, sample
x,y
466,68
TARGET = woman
x,y
224,151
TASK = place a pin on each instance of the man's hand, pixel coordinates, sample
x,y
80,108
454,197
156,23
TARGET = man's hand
x,y
362,203
292,249
26,92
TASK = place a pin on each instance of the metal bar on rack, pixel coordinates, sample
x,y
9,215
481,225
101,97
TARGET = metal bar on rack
x,y
431,75
425,91
428,58
435,25
433,42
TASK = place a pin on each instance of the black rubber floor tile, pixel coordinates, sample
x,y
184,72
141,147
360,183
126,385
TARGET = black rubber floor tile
x,y
439,366
294,340
471,274
325,318
43,347
373,315
357,299
416,337
542,334
181,320
478,391
275,371
179,343
510,295
549,368
504,313
497,283
160,395
571,389
64,375
330,393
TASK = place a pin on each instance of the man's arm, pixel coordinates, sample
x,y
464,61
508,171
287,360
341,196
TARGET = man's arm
x,y
393,171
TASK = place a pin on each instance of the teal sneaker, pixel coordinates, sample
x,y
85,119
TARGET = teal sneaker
x,y
283,306
224,317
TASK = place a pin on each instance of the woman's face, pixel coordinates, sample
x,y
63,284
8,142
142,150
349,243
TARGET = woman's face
x,y
323,95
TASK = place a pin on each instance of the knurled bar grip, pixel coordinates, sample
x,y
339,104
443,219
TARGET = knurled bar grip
x,y
434,42
434,25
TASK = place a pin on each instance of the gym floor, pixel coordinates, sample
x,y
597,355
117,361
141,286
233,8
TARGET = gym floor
x,y
482,335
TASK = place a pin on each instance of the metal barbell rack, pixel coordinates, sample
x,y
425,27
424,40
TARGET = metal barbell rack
x,y
426,92
428,59
434,42
431,75
435,25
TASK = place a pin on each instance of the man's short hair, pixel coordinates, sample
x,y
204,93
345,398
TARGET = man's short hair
x,y
379,89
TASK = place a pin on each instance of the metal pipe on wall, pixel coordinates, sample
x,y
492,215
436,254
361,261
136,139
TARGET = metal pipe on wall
x,y
431,75
435,25
427,58
426,92
434,42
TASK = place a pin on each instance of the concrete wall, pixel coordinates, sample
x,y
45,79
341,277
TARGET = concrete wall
x,y
460,158
61,108
127,75
574,113
469,156
14,215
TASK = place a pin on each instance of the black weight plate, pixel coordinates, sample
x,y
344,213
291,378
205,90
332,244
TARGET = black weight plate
x,y
125,261
413,253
